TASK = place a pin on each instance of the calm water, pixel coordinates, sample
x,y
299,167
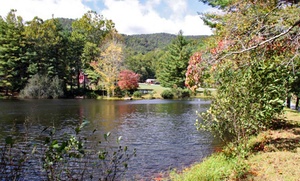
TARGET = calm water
x,y
162,131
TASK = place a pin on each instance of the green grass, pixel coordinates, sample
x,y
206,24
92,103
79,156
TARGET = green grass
x,y
216,167
156,90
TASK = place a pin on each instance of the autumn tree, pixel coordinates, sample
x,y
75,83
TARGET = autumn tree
x,y
252,61
128,80
108,66
88,34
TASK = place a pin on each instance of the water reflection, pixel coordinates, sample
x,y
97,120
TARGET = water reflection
x,y
162,131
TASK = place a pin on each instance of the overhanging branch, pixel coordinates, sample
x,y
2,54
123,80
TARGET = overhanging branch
x,y
263,42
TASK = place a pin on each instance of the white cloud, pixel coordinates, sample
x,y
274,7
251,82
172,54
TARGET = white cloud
x,y
130,16
178,8
44,9
133,17
193,25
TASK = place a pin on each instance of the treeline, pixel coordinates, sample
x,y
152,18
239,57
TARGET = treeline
x,y
46,48
67,49
146,53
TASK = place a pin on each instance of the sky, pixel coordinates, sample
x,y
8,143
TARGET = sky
x,y
130,16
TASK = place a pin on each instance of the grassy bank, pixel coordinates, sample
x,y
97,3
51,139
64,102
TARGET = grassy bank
x,y
156,90
271,155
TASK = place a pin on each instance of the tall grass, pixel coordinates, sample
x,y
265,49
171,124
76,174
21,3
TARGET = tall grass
x,y
216,167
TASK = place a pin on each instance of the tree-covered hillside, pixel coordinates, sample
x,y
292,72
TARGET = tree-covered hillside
x,y
66,23
141,43
144,43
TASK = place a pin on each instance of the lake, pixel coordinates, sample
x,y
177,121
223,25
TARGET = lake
x,y
162,131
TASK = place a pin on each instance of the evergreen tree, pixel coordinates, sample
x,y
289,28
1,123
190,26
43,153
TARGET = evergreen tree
x,y
173,64
13,62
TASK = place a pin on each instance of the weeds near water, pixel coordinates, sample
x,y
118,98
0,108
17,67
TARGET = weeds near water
x,y
67,157
12,160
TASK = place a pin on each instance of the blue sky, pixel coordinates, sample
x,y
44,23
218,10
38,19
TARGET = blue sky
x,y
130,16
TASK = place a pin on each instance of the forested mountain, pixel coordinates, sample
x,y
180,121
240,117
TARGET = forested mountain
x,y
144,43
141,43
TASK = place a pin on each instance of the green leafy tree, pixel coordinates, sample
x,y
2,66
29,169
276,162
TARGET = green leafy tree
x,y
251,63
88,33
13,60
48,49
173,64
36,41
143,64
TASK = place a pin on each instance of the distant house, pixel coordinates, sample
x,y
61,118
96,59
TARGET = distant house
x,y
151,81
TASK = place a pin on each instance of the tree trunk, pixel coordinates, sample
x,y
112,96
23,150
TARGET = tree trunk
x,y
288,101
78,83
297,103
6,91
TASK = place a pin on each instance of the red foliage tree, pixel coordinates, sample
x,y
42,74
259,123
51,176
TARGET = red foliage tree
x,y
128,80
194,71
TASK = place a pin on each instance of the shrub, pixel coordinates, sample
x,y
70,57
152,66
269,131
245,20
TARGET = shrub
x,y
42,87
92,95
12,161
185,93
181,93
119,92
167,94
137,94
247,101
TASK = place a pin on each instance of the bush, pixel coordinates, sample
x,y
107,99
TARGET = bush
x,y
185,93
167,94
181,93
92,95
137,94
248,100
118,92
42,87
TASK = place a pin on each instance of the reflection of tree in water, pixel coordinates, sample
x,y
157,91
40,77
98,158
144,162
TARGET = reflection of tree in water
x,y
102,115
